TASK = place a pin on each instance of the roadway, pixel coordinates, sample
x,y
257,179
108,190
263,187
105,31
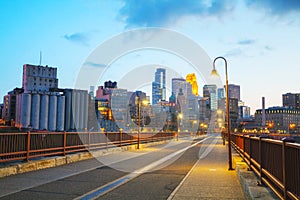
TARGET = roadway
x,y
150,173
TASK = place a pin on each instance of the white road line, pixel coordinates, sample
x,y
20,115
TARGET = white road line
x,y
183,180
118,182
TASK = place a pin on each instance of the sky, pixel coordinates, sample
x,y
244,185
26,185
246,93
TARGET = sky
x,y
259,39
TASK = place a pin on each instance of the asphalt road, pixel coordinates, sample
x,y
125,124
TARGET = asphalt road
x,y
153,174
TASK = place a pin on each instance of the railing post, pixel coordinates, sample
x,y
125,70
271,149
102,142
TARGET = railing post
x,y
260,158
65,142
89,140
223,137
152,137
243,137
28,146
250,152
106,133
284,164
120,137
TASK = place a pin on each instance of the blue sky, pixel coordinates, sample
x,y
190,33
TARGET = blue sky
x,y
260,39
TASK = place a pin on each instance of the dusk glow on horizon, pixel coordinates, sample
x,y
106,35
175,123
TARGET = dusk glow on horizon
x,y
259,39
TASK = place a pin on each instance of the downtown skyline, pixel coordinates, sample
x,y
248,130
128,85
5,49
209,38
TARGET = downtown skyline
x,y
258,39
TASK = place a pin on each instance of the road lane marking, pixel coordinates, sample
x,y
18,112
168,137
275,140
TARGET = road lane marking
x,y
118,182
183,180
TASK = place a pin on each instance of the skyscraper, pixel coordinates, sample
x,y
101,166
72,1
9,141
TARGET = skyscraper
x,y
178,83
210,91
159,86
221,93
291,100
234,92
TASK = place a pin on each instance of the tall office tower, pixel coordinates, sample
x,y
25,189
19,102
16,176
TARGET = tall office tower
x,y
204,109
291,100
119,105
177,83
221,93
159,86
210,91
38,78
187,102
234,92
91,92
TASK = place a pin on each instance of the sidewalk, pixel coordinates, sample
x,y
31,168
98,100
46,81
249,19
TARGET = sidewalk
x,y
210,178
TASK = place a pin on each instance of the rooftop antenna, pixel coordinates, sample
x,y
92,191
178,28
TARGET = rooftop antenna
x,y
40,58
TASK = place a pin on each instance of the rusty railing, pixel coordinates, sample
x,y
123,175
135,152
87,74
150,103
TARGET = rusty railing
x,y
276,162
32,145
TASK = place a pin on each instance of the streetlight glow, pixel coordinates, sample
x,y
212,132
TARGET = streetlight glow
x,y
215,73
145,102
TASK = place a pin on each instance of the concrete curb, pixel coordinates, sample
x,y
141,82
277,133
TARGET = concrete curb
x,y
249,182
19,168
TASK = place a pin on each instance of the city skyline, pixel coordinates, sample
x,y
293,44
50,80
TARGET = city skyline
x,y
259,39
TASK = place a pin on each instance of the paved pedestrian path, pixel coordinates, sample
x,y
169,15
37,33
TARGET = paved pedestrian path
x,y
210,177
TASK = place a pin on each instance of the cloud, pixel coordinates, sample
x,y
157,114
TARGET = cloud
x,y
276,7
150,13
269,48
233,53
246,42
92,64
80,38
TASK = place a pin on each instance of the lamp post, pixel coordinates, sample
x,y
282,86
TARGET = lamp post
x,y
179,119
139,102
214,72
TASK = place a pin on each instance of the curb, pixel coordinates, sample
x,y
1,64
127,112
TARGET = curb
x,y
29,166
249,181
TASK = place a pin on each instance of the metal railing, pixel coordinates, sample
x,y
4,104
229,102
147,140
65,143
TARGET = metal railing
x,y
276,162
31,145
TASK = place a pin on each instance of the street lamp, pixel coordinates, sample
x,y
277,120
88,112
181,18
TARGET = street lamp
x,y
180,118
193,130
139,102
215,73
201,128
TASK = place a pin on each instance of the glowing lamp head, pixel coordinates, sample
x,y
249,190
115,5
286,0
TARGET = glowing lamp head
x,y
145,102
180,116
214,72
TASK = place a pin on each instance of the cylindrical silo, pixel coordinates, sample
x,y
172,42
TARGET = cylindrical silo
x,y
77,110
26,108
68,109
73,105
35,111
44,112
60,120
85,110
52,113
18,110
81,108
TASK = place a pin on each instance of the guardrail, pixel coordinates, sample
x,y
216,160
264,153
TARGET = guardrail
x,y
276,162
30,145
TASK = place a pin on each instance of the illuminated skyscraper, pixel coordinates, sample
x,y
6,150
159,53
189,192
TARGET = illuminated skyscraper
x,y
210,91
159,86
